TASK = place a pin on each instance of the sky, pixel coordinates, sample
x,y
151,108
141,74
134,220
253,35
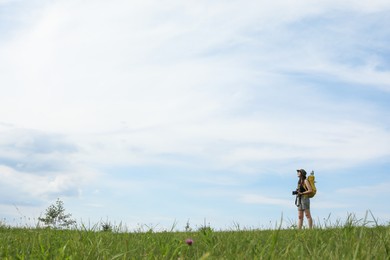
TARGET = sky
x,y
167,113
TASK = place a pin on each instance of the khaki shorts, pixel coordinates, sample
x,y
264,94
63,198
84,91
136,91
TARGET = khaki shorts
x,y
303,203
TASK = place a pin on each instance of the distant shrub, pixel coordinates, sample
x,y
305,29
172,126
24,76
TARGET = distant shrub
x,y
55,216
106,226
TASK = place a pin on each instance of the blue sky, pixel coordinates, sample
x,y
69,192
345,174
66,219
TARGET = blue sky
x,y
151,113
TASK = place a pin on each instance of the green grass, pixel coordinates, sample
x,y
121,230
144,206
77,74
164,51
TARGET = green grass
x,y
335,243
349,241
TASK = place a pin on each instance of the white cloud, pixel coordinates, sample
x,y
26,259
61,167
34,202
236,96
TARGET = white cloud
x,y
263,200
235,143
140,68
142,63
27,188
370,191
36,166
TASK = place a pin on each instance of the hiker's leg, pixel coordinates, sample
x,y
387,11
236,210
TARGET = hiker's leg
x,y
309,219
300,219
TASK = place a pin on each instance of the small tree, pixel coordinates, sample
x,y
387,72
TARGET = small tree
x,y
55,216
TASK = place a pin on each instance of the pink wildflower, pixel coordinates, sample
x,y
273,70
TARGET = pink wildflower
x,y
189,241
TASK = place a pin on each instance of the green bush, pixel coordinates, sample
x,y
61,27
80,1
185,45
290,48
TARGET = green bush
x,y
55,216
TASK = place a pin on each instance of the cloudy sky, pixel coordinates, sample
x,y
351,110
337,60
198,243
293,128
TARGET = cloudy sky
x,y
167,112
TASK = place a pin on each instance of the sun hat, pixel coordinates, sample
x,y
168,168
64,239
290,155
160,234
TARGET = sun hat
x,y
302,171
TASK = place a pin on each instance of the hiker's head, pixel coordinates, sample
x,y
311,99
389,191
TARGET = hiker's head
x,y
301,173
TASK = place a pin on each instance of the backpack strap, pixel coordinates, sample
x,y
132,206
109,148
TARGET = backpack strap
x,y
297,201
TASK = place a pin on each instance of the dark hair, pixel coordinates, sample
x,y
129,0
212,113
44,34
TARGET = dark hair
x,y
302,178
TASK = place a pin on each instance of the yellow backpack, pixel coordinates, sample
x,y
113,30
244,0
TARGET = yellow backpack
x,y
311,180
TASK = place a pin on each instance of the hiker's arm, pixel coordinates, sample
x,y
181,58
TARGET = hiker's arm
x,y
308,186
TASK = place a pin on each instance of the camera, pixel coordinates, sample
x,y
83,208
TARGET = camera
x,y
294,192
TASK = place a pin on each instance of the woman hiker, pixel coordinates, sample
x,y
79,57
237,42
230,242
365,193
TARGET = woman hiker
x,y
303,200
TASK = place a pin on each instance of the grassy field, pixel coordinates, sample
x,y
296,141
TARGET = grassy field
x,y
345,242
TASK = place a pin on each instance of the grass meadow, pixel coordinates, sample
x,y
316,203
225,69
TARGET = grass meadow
x,y
352,239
